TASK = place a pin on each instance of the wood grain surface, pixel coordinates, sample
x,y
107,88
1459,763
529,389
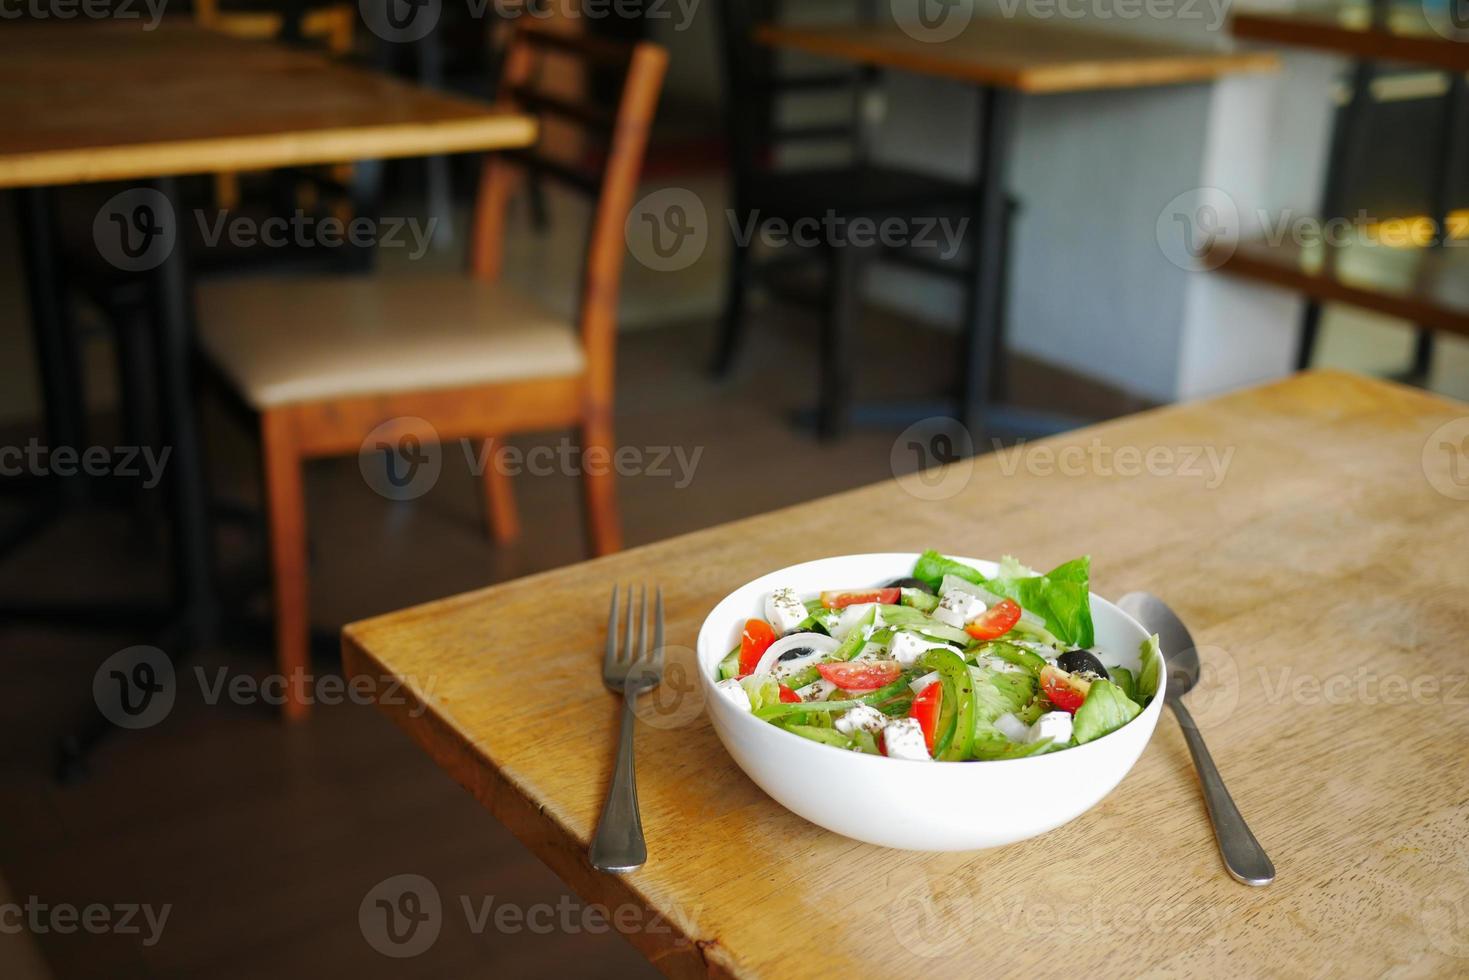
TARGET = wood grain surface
x,y
1408,36
1028,55
1312,533
112,101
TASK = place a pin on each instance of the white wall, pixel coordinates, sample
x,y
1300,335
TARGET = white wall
x,y
1091,289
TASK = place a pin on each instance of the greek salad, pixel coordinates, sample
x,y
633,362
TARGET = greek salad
x,y
946,664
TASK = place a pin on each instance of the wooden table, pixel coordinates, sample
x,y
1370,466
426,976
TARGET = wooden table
x,y
1004,58
1322,574
109,101
112,102
1024,55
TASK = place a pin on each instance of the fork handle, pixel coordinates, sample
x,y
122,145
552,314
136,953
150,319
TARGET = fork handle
x,y
618,844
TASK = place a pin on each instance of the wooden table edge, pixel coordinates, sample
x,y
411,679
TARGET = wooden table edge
x,y
493,130
676,953
1174,69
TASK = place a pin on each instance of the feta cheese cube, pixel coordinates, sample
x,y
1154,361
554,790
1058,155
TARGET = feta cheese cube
x,y
735,692
1054,725
902,738
957,608
907,647
864,717
1012,727
784,610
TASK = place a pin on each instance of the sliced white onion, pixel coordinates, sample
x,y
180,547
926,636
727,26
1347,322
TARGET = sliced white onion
x,y
919,683
821,645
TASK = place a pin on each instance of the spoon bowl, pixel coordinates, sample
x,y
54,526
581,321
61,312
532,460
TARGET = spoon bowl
x,y
1244,858
1182,653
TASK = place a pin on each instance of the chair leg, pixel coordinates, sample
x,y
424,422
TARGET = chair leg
x,y
731,325
501,518
599,488
1310,327
1422,355
285,504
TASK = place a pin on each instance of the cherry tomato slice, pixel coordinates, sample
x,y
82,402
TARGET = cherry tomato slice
x,y
787,695
863,675
754,641
840,600
926,709
1065,691
995,621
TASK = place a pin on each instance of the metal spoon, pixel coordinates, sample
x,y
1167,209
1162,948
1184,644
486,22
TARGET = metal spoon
x,y
1245,859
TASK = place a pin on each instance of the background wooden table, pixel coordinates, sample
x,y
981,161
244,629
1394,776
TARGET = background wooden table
x,y
1320,561
1026,55
110,101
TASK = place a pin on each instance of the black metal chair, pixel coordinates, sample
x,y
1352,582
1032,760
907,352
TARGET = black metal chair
x,y
761,191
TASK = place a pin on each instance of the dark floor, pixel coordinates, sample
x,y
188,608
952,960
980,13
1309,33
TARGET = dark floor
x,y
264,838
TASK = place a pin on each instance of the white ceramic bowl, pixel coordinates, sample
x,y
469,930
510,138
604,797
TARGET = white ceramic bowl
x,y
928,806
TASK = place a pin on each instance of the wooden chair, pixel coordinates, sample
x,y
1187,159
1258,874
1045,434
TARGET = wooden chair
x,y
325,361
761,189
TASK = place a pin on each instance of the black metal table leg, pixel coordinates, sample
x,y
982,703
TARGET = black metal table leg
x,y
1348,144
189,499
56,353
986,300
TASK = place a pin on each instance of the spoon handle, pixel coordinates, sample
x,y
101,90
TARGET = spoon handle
x,y
1243,856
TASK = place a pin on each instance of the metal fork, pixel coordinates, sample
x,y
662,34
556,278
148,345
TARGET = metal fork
x,y
618,844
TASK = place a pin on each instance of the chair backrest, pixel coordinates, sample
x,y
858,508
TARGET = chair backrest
x,y
754,85
610,180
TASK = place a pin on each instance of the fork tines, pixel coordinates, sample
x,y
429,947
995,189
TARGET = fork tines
x,y
627,653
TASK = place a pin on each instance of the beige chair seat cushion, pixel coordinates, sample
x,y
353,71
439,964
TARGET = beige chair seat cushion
x,y
288,340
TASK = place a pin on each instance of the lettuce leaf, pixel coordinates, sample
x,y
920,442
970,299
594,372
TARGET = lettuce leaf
x,y
997,692
859,741
1059,597
991,744
763,690
1105,710
1152,666
1122,677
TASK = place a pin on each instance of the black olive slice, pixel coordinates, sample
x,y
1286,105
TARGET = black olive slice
x,y
795,652
1081,662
